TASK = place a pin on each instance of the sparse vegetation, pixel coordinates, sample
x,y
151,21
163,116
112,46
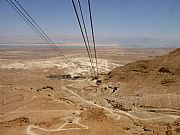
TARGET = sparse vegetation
x,y
17,122
164,70
177,129
48,87
116,105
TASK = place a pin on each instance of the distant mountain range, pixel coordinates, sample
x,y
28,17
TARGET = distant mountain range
x,y
101,41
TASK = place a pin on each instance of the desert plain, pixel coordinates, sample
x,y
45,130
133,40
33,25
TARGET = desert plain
x,y
137,92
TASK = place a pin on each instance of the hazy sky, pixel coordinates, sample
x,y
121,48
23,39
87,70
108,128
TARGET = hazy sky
x,y
134,18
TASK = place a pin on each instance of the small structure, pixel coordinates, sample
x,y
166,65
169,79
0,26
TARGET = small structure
x,y
59,77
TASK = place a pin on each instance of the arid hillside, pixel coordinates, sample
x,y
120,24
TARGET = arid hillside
x,y
33,103
157,75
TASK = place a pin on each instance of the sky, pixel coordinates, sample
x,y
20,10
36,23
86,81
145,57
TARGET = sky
x,y
112,18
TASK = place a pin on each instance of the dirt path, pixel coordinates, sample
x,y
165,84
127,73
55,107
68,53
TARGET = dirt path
x,y
61,128
119,111
117,114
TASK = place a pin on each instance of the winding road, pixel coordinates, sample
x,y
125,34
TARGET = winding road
x,y
118,114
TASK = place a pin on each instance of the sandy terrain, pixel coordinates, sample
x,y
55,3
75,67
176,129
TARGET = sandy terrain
x,y
33,104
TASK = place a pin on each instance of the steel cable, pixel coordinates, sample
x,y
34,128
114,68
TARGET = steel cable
x,y
92,32
34,27
82,33
47,37
85,30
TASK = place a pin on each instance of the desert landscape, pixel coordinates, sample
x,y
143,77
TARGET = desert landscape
x,y
137,92
87,67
